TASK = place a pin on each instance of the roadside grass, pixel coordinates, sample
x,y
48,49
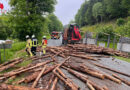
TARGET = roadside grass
x,y
10,53
110,45
124,59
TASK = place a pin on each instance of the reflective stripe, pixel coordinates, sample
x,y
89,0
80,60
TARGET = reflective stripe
x,y
34,43
29,43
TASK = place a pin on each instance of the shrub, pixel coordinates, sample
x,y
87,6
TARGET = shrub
x,y
106,29
120,21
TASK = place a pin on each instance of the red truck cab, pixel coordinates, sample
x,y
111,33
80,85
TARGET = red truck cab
x,y
71,35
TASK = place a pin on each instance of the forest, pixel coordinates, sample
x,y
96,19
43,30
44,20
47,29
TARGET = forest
x,y
109,16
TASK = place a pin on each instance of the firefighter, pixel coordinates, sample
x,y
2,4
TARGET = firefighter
x,y
44,44
29,45
34,44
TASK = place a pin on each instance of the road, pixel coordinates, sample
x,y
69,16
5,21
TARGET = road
x,y
55,42
109,62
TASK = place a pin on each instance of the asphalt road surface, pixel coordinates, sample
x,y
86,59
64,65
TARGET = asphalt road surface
x,y
55,42
108,62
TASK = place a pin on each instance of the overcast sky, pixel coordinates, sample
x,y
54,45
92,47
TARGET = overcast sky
x,y
65,10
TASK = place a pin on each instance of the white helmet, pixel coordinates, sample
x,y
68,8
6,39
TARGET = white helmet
x,y
27,36
33,36
44,37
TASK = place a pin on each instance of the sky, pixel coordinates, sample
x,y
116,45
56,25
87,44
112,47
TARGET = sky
x,y
65,10
6,5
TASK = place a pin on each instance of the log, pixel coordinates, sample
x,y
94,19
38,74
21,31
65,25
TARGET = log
x,y
63,75
83,57
11,61
25,70
112,78
90,86
55,52
11,87
54,84
92,72
34,75
10,65
50,82
82,77
85,69
39,76
111,69
65,81
123,80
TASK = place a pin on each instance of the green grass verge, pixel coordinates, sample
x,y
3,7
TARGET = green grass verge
x,y
124,59
110,45
11,53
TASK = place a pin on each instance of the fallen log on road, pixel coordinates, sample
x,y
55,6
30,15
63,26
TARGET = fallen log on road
x,y
25,70
10,65
111,69
35,74
54,84
11,87
85,69
84,78
123,80
39,76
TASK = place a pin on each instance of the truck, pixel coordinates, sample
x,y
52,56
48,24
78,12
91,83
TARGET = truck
x,y
71,35
55,35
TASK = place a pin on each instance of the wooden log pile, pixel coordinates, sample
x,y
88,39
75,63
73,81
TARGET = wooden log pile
x,y
35,72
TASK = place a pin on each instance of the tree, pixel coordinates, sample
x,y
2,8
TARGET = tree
x,y
98,11
26,16
54,24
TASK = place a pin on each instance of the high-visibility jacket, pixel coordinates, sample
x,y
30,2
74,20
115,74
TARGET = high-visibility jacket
x,y
34,42
44,42
29,43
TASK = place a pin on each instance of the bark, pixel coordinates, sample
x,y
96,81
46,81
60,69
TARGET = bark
x,y
10,65
123,80
25,70
50,82
39,76
54,84
11,87
84,78
128,75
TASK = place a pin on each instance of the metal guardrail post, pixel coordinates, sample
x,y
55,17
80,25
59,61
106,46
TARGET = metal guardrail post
x,y
121,44
86,38
96,39
114,41
108,42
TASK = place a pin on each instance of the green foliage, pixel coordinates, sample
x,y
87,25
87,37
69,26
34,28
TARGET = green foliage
x,y
10,53
124,30
105,30
98,11
120,21
26,17
93,11
54,24
124,59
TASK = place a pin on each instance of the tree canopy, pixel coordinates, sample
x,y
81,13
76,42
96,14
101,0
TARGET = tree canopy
x,y
93,11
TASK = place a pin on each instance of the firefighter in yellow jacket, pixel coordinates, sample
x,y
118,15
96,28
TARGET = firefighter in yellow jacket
x,y
44,44
29,45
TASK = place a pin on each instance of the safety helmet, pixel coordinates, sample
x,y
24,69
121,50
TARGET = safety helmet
x,y
27,36
33,36
44,37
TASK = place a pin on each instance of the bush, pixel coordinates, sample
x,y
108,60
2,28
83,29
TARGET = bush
x,y
124,30
120,21
106,29
3,34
